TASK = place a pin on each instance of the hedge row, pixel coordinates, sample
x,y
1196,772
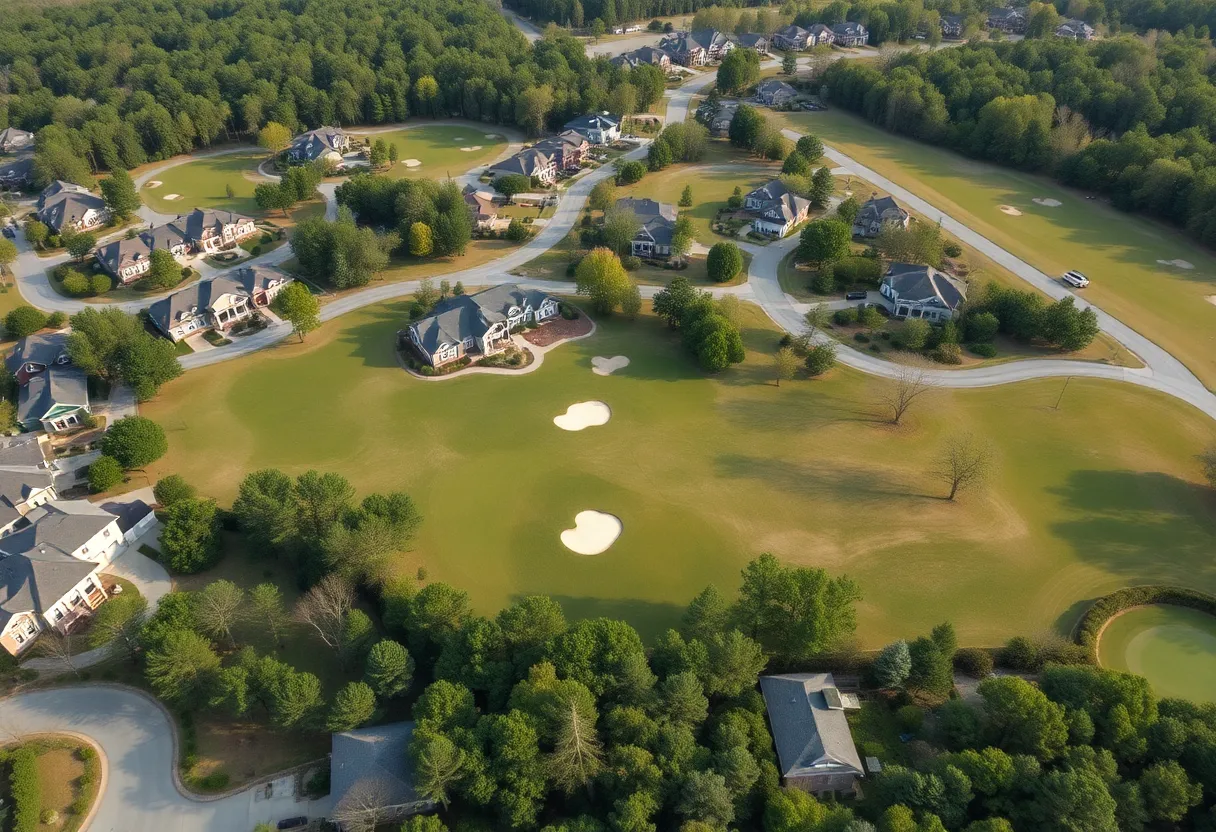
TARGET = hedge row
x,y
1109,605
24,790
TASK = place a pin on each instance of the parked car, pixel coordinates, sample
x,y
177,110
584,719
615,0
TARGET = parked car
x,y
293,823
854,295
9,231
1075,279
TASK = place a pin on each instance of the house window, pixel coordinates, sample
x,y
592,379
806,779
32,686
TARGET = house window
x,y
84,550
17,637
30,628
106,533
58,614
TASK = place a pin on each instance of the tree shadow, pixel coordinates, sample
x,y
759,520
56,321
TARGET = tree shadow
x,y
649,618
375,340
815,481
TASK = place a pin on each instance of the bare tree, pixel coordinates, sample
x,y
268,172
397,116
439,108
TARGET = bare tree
x,y
363,808
58,646
965,462
909,384
577,755
219,606
325,607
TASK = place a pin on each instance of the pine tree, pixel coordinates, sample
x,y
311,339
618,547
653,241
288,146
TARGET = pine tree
x,y
354,705
686,197
389,668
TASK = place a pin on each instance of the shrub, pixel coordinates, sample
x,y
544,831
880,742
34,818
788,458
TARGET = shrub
x,y
952,249
80,806
171,489
56,320
1108,605
631,263
724,262
1020,653
75,283
99,284
567,311
910,719
86,753
981,327
104,474
185,272
49,816
256,250
820,358
973,661
23,321
824,281
857,271
983,350
24,791
785,340
948,354
266,238
845,317
630,172
214,781
861,338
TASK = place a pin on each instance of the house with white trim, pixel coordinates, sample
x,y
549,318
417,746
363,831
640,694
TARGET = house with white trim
x,y
658,225
327,143
597,128
850,33
27,480
530,162
218,303
52,393
64,206
476,324
877,212
210,230
922,292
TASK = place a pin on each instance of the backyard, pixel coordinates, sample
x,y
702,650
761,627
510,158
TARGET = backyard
x,y
706,472
1149,276
442,150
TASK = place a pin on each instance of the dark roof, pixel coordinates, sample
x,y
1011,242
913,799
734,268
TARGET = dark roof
x,y
14,138
791,32
874,210
257,278
525,162
168,312
59,187
57,385
811,737
62,525
595,121
163,236
43,348
61,208
470,316
922,284
121,253
786,207
849,28
128,513
19,170
1005,12
706,38
751,40
773,190
376,756
316,143
657,228
645,208
773,86
23,470
201,220
36,580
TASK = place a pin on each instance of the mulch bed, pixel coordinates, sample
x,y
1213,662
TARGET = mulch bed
x,y
557,330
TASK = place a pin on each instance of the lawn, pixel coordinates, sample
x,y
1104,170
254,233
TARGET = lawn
x,y
1128,259
1173,647
202,184
443,149
60,767
708,472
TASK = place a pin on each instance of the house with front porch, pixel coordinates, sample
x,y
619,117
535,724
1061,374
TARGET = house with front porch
x,y
922,292
209,230
63,206
217,303
325,143
1075,30
568,149
1008,20
52,393
877,212
18,173
129,260
531,162
792,38
476,324
849,34
658,225
49,569
597,128
780,216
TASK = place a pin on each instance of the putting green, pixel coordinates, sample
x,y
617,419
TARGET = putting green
x,y
1173,647
438,147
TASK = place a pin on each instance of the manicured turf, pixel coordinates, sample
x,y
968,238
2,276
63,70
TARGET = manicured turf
x,y
708,472
1119,252
201,184
1173,647
435,146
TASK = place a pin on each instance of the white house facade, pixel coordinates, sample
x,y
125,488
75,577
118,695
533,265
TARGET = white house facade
x,y
922,292
480,323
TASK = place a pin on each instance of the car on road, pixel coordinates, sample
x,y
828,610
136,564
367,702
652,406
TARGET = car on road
x,y
9,231
854,295
293,823
1075,279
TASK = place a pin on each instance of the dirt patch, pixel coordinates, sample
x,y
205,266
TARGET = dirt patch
x,y
559,330
593,533
155,183
1010,210
411,163
1181,264
602,366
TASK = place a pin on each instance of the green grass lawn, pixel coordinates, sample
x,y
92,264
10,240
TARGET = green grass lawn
x,y
1173,647
1119,252
437,148
707,472
202,183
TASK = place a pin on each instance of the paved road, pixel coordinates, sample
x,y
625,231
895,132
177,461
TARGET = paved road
x,y
531,32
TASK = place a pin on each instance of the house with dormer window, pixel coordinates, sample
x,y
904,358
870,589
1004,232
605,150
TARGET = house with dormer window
x,y
476,324
217,303
52,393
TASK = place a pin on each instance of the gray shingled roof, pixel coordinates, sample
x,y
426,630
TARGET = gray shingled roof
x,y
35,581
122,253
60,209
316,143
57,385
792,32
168,312
23,470
63,526
774,85
773,190
810,737
873,210
786,207
14,138
592,122
849,28
378,756
526,162
20,170
469,316
163,236
751,40
644,208
920,284
40,348
201,220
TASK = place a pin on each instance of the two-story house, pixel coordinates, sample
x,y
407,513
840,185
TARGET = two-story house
x,y
568,149
850,34
324,143
129,260
209,230
480,323
530,162
1008,20
217,303
52,392
773,92
792,38
643,56
18,173
27,480
658,225
597,128
697,48
778,209
877,212
755,42
952,26
1075,30
922,292
63,206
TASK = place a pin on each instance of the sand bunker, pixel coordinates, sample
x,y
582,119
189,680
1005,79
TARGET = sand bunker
x,y
411,163
602,366
1010,210
458,139
593,533
583,415
470,149
491,135
155,183
172,197
1047,202
1212,299
1182,264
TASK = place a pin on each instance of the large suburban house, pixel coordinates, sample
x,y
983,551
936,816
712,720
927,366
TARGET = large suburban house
x,y
600,128
757,43
210,230
49,569
484,208
922,292
778,210
325,143
52,393
952,25
63,206
643,56
697,48
1009,20
774,92
850,34
719,122
480,323
13,140
815,749
530,162
658,225
26,481
18,173
568,149
217,303
370,772
877,212
792,38
1075,30
129,260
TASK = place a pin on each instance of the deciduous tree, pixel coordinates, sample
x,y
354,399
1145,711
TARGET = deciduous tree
x,y
964,463
295,303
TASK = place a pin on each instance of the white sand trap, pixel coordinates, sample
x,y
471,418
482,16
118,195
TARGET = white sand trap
x,y
458,139
593,533
491,135
411,163
1182,264
155,183
1010,210
1212,299
602,366
470,149
583,415
1047,202
172,197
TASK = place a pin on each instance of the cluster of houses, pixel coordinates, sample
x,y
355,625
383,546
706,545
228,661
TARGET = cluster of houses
x,y
548,159
477,324
704,46
52,393
202,231
1014,20
18,172
797,39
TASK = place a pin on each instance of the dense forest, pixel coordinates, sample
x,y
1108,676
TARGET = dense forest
x,y
117,84
1131,118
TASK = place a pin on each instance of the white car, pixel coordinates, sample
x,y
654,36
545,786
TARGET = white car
x,y
1075,279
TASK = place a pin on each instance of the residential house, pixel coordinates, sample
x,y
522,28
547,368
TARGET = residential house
x,y
792,38
1008,20
952,26
479,323
530,162
26,481
645,55
210,230
658,225
821,35
49,569
217,303
719,122
52,393
774,92
850,34
326,143
757,199
169,237
922,292
129,260
877,212
373,762
815,749
757,43
63,206
697,48
18,173
13,139
599,128
1075,30
484,208
779,216
568,149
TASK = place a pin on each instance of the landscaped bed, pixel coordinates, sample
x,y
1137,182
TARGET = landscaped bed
x,y
52,781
